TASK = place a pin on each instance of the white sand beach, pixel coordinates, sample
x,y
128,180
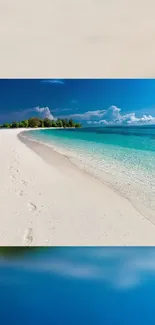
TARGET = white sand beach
x,y
46,200
77,38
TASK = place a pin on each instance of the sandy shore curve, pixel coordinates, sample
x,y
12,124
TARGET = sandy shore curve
x,y
46,200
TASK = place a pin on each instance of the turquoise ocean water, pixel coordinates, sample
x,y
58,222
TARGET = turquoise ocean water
x,y
121,157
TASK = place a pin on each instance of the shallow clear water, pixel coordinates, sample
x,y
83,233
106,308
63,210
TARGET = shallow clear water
x,y
92,285
122,157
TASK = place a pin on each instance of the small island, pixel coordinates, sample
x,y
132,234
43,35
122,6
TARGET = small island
x,y
35,122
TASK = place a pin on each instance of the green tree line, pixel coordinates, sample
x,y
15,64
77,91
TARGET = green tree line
x,y
35,122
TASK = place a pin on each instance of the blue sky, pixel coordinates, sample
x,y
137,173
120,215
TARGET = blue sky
x,y
90,101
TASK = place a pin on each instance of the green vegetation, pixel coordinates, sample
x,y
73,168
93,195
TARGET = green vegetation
x,y
35,122
11,252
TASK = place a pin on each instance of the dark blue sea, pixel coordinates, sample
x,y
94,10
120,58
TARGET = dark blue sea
x,y
111,286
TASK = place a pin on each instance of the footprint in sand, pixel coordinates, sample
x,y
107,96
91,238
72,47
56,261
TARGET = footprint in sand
x,y
16,161
24,182
14,169
13,177
21,193
32,207
28,237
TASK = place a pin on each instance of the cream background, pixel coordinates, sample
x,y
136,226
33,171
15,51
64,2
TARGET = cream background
x,y
77,38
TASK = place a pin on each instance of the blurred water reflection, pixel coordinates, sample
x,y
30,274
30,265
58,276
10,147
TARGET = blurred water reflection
x,y
77,285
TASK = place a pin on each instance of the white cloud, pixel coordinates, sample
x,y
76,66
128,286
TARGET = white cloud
x,y
45,112
53,81
110,116
113,116
26,113
87,115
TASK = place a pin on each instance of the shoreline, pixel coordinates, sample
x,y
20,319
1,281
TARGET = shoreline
x,y
48,201
120,185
